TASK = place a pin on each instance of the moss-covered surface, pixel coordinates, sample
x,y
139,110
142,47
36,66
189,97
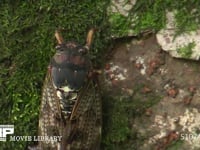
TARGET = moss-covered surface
x,y
120,24
186,51
175,145
151,15
26,44
119,112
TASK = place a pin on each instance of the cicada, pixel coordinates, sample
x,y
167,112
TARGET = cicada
x,y
71,108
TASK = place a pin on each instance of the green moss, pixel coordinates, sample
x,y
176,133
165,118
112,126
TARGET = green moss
x,y
119,112
120,24
117,125
151,15
186,51
186,21
175,145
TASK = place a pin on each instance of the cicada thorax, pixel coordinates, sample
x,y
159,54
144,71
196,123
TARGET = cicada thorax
x,y
69,70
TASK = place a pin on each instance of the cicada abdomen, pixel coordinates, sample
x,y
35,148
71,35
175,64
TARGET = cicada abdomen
x,y
70,111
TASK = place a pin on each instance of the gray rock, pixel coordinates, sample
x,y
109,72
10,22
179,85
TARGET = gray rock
x,y
121,6
185,45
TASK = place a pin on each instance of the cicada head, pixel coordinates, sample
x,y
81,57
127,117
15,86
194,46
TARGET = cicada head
x,y
70,64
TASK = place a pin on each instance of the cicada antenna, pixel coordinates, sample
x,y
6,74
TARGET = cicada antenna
x,y
59,37
89,38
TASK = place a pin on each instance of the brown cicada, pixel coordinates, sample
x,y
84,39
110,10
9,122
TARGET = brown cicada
x,y
70,114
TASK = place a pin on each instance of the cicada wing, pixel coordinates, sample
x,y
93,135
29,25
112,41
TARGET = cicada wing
x,y
86,119
90,120
49,119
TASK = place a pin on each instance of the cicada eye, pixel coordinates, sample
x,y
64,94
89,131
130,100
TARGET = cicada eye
x,y
60,47
82,51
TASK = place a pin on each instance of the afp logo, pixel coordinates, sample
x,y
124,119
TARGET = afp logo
x,y
4,130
